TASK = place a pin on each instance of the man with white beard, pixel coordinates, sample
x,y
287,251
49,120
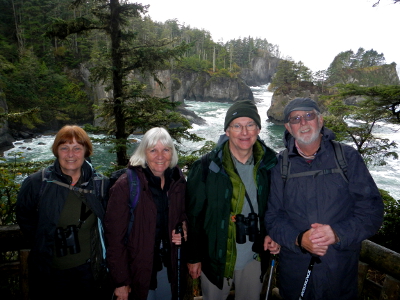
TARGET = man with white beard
x,y
323,203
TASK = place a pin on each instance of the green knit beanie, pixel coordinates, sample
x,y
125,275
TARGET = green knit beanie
x,y
245,108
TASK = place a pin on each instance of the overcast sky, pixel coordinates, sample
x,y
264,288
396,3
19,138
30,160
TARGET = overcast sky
x,y
311,31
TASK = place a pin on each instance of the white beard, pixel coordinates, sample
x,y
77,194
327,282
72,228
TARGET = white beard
x,y
308,140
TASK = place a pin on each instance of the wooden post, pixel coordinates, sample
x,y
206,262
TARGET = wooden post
x,y
390,289
23,267
362,275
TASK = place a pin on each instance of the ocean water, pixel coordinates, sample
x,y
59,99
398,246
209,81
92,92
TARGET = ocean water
x,y
386,177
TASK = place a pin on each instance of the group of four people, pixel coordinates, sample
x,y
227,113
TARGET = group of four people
x,y
240,202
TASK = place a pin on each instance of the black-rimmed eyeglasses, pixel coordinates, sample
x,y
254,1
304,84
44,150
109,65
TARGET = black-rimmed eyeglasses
x,y
308,117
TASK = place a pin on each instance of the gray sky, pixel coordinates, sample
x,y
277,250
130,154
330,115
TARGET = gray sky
x,y
311,31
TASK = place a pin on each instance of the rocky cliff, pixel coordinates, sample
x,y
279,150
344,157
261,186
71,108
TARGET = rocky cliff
x,y
282,97
199,86
261,71
179,85
385,74
5,138
368,76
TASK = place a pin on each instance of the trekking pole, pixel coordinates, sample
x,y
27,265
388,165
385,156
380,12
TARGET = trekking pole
x,y
179,229
314,259
270,277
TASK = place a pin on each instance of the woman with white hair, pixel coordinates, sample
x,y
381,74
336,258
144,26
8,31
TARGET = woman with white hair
x,y
144,266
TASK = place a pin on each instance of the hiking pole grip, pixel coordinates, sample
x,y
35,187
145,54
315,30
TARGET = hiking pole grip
x,y
179,230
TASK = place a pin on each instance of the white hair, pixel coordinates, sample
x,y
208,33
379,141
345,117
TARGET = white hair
x,y
149,140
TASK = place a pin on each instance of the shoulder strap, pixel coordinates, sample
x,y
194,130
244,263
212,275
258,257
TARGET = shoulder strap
x,y
45,180
339,159
133,182
205,162
72,188
285,165
99,186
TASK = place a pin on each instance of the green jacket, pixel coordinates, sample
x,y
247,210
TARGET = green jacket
x,y
211,204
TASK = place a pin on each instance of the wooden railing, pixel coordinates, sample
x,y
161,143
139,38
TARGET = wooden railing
x,y
11,240
385,261
373,258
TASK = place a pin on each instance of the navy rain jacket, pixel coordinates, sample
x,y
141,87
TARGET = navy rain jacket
x,y
354,210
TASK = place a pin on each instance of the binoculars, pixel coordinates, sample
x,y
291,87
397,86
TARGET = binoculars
x,y
67,239
246,226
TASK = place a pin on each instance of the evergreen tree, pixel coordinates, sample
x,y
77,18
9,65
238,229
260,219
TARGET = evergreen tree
x,y
364,119
128,53
289,74
346,64
384,96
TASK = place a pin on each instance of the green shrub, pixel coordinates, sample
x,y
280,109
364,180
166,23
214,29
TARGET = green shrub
x,y
11,174
388,234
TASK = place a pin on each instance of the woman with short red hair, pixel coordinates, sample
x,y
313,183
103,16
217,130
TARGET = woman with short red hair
x,y
60,210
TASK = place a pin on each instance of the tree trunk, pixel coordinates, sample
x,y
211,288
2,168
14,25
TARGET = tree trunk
x,y
117,78
214,60
18,31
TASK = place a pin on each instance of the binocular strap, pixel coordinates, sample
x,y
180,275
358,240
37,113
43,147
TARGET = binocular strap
x,y
84,215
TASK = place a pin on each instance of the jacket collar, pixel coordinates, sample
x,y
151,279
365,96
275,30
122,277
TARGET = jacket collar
x,y
87,170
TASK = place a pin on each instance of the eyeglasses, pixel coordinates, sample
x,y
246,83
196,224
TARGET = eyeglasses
x,y
308,117
239,128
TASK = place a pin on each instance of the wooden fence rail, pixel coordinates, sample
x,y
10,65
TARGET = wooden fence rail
x,y
373,258
386,261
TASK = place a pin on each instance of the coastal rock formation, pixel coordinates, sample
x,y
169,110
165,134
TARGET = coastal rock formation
x,y
180,84
385,74
261,71
5,137
282,97
199,86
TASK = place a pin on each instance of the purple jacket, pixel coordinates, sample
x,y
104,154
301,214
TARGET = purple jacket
x,y
132,263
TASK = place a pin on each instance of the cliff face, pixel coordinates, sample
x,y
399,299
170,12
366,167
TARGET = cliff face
x,y
5,138
179,85
95,91
282,97
261,71
199,86
371,76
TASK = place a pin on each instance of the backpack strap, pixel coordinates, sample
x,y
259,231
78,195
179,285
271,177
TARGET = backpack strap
x,y
205,162
134,189
71,187
46,179
45,171
285,167
100,185
339,159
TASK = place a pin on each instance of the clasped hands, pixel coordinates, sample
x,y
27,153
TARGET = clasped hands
x,y
317,239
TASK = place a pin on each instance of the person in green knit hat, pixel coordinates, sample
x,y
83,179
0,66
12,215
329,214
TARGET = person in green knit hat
x,y
227,192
